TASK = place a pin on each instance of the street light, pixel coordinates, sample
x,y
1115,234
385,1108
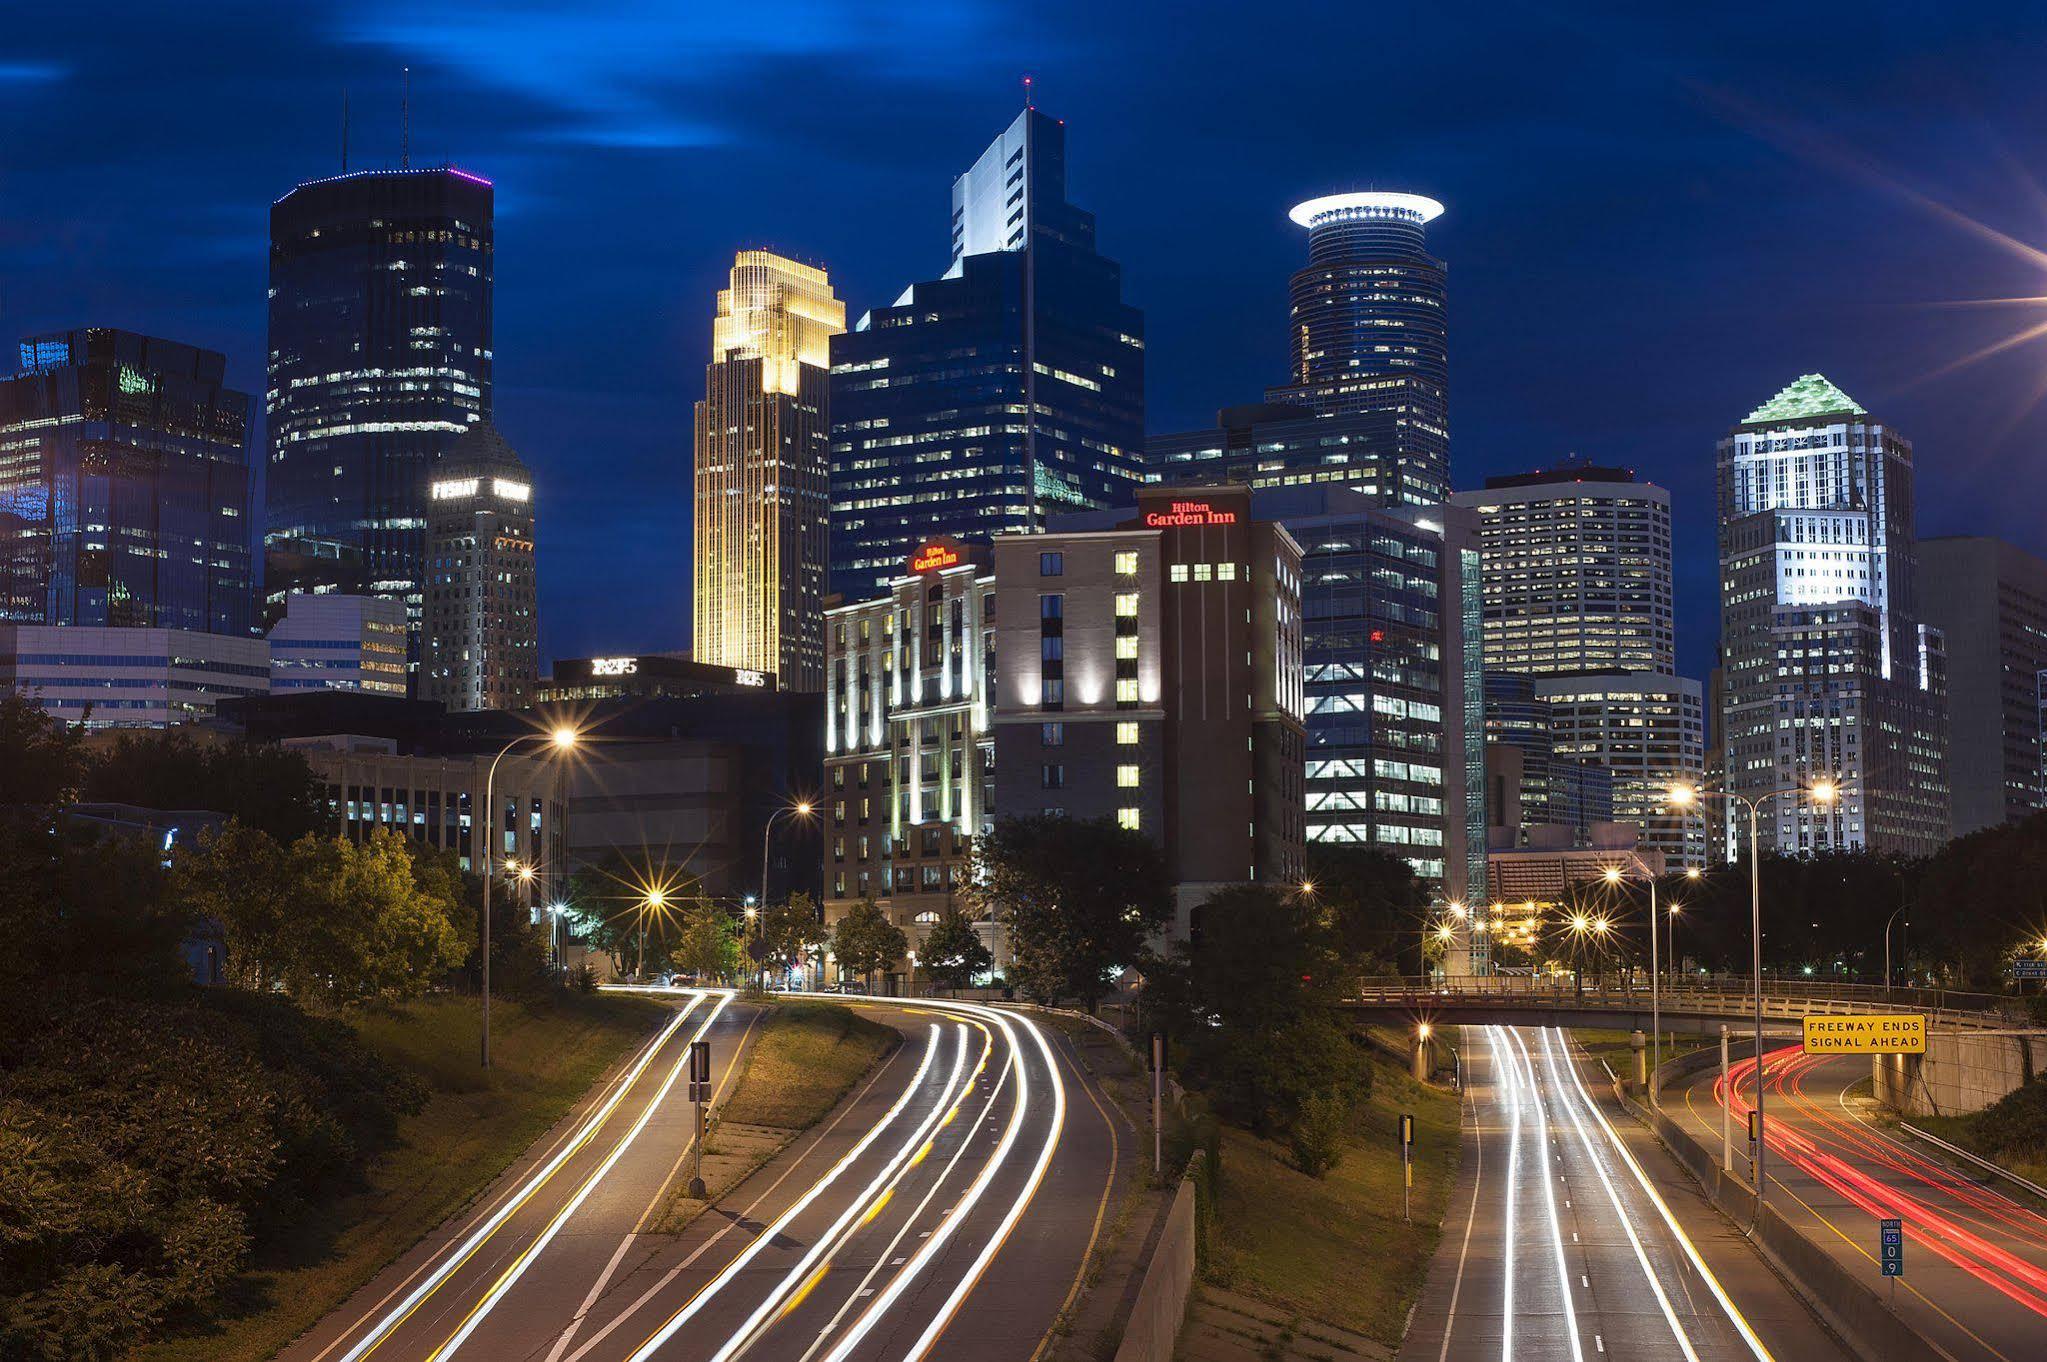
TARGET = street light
x,y
1613,876
1822,792
656,900
801,808
563,740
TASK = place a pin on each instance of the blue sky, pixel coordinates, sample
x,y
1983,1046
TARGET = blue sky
x,y
1655,219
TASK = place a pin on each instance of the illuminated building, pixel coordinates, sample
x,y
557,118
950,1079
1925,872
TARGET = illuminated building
x,y
1549,874
761,445
1150,673
1989,601
982,402
335,642
1529,784
644,676
1830,670
1367,405
482,647
124,486
910,740
130,676
380,356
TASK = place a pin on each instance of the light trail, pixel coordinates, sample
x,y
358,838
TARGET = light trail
x,y
1513,1196
421,1293
1549,1192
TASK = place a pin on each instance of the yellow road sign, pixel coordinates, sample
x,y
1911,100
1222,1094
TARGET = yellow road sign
x,y
1881,1033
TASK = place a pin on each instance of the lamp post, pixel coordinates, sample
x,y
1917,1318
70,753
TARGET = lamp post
x,y
1822,793
1887,948
653,902
801,808
563,739
1613,876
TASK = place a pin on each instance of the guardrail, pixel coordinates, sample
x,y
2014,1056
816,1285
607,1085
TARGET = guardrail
x,y
1719,993
1986,1165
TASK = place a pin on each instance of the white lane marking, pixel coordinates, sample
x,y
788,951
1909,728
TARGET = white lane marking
x,y
1513,1195
1549,1194
533,1184
1477,1174
1734,1315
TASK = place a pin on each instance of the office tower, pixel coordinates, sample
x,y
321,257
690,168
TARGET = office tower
x,y
124,486
130,676
1830,670
336,642
1396,735
910,739
761,442
1530,784
1578,595
1150,672
1367,403
984,401
482,646
380,357
1989,601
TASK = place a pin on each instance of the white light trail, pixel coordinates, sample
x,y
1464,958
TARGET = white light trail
x,y
1549,1194
1512,1073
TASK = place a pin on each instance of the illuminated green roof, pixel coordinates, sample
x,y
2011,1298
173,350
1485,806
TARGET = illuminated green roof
x,y
1810,395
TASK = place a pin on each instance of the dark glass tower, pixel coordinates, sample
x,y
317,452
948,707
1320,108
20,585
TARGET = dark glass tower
x,y
1008,390
1368,403
124,486
380,357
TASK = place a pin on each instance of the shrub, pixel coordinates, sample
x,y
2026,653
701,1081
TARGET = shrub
x,y
2015,1125
1316,1139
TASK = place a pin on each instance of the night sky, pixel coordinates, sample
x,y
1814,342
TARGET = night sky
x,y
1655,219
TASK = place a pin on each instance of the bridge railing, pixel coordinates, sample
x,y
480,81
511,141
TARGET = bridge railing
x,y
1733,993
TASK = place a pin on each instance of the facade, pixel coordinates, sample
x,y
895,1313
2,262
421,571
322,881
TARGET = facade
x,y
380,357
1149,671
124,486
1392,679
1367,402
762,438
1648,730
1989,601
1529,782
482,645
980,403
910,740
130,676
1548,870
644,676
338,643
1830,671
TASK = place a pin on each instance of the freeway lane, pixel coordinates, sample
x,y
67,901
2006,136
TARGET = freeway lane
x,y
946,1209
1975,1263
1578,1239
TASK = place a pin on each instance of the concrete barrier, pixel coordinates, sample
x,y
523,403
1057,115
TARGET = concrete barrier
x,y
1959,1072
1155,1319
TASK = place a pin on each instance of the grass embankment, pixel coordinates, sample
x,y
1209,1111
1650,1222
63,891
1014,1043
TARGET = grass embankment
x,y
1617,1049
2011,1132
474,1124
805,1059
1334,1249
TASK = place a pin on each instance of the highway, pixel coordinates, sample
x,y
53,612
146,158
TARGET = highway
x,y
1571,1236
946,1209
1975,1278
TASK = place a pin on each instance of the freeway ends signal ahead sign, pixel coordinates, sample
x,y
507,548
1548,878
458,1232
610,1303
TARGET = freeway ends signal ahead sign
x,y
1883,1033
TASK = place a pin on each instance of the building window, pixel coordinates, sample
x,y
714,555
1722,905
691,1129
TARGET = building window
x,y
1126,646
1204,572
1126,777
1051,565
1126,734
1126,604
1052,777
1052,648
1051,607
1178,572
1053,696
1126,690
1127,818
1053,734
1226,572
1126,563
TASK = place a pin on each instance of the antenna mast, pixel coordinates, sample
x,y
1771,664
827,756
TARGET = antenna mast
x,y
344,131
405,124
1028,101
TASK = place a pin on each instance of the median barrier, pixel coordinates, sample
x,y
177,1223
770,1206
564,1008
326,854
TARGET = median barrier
x,y
1154,1326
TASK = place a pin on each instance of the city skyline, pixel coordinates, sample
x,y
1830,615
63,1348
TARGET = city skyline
x,y
1531,171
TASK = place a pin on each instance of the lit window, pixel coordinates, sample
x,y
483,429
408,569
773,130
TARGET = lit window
x,y
1126,563
1126,646
1204,572
1126,604
1051,564
1127,818
1178,572
1126,734
1126,690
1226,572
1126,777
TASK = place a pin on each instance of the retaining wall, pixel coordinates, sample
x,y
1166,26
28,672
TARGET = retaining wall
x,y
1155,1319
1959,1072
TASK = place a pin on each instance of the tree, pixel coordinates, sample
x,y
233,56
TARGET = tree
x,y
953,952
269,788
42,761
1082,899
864,940
707,943
789,931
1377,905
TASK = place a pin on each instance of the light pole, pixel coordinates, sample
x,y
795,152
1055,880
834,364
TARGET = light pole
x,y
801,808
1613,876
753,917
563,738
1887,947
654,901
1822,793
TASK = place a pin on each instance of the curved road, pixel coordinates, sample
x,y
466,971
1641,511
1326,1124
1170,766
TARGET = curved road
x,y
946,1209
1975,1278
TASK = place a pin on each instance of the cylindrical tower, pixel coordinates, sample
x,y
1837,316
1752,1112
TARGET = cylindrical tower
x,y
1370,304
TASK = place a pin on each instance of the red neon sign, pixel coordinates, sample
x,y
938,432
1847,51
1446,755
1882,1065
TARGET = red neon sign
x,y
1189,513
932,557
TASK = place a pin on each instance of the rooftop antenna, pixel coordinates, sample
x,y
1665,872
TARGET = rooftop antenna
x,y
344,131
1028,101
405,124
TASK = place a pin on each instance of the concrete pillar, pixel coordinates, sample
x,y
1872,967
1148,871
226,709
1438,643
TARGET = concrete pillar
x,y
1639,1044
1421,1059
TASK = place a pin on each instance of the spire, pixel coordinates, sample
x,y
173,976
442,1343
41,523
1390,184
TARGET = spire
x,y
1806,396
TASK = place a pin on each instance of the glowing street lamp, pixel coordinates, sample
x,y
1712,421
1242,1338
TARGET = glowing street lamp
x,y
563,739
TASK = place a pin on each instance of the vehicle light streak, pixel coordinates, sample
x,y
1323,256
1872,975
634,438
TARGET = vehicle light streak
x,y
767,1236
511,1275
419,1294
1549,1188
1513,1196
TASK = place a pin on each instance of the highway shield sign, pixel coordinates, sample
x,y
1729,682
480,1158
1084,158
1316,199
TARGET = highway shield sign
x,y
1882,1033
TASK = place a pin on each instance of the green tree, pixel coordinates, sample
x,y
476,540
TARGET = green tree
x,y
706,943
789,931
267,787
953,952
1377,906
1082,899
42,761
865,941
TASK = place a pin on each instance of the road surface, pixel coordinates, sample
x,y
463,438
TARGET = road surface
x,y
946,1209
1975,1278
1572,1236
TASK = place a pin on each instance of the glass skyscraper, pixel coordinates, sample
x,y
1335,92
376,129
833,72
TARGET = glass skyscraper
x,y
1010,389
1367,404
124,486
380,357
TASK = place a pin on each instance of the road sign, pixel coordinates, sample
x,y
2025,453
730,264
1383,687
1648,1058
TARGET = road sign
x,y
1406,1165
1881,1033
2029,969
1406,1129
700,1061
1891,1246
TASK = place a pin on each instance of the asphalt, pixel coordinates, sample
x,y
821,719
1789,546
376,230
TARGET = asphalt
x,y
945,1209
1975,1280
1555,1248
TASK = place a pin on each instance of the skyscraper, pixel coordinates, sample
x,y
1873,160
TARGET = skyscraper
x,y
1367,405
1011,388
124,486
761,442
1830,672
482,644
380,356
